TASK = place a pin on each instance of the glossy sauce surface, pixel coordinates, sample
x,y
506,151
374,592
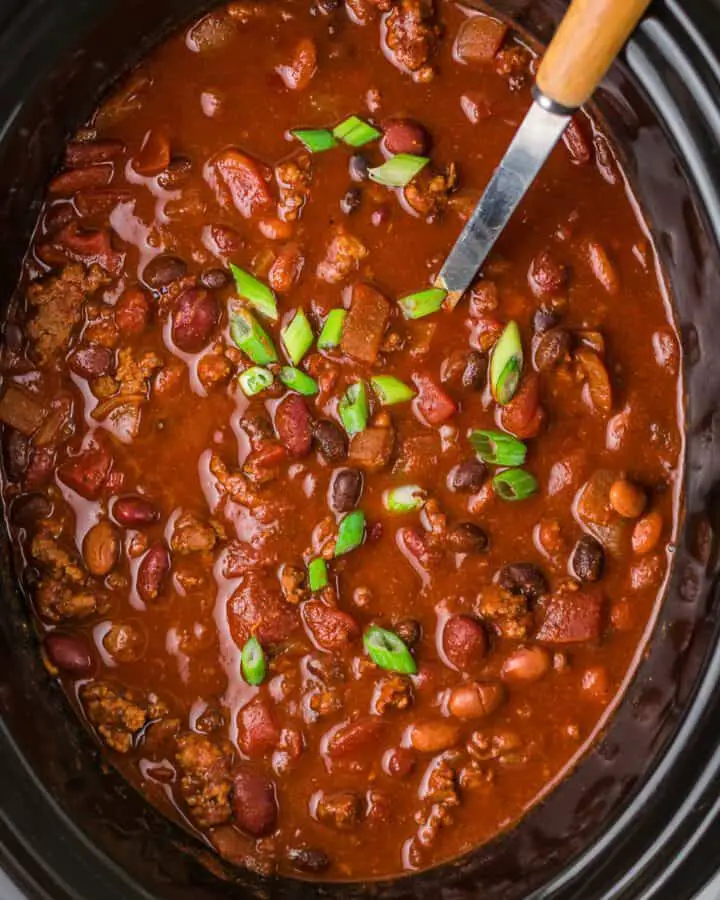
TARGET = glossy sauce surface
x,y
166,518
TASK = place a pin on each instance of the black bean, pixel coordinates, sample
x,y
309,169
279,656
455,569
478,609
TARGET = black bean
x,y
214,279
16,453
588,559
409,631
475,373
523,578
163,270
467,477
345,490
466,537
330,439
544,318
551,348
358,167
307,859
176,174
27,509
351,201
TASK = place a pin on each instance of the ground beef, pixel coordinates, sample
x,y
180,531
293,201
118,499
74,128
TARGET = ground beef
x,y
507,613
411,33
392,692
56,601
117,713
342,257
191,535
293,179
204,779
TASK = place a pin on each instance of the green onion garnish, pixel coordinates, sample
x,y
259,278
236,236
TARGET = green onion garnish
x,y
399,170
391,390
257,294
406,498
355,132
506,364
498,448
351,532
297,337
332,330
254,380
317,574
353,408
514,484
423,303
315,139
248,334
386,650
252,662
298,381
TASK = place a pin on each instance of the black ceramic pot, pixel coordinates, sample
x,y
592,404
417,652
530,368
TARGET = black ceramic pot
x,y
640,817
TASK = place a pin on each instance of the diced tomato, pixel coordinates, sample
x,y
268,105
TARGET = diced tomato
x,y
433,403
524,416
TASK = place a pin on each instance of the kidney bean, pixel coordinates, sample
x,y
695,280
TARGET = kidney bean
x,y
91,361
101,548
577,142
647,532
467,477
132,312
215,279
86,474
176,174
602,268
99,201
40,469
434,736
154,153
239,182
405,136
69,653
474,376
134,512
194,318
286,269
254,802
409,631
526,664
27,509
299,72
466,537
552,348
400,762
331,440
258,730
223,240
330,628
345,490
293,425
308,859
627,499
68,183
544,319
79,154
162,270
355,737
464,642
523,416
476,699
546,275
152,572
523,578
588,559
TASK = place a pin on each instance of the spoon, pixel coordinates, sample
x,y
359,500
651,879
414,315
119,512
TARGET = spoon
x,y
586,42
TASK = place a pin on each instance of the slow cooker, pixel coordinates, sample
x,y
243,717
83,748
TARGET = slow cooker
x,y
640,816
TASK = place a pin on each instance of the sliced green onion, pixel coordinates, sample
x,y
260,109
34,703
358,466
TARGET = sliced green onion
x,y
386,650
353,408
423,303
254,380
298,381
317,574
297,337
391,390
399,170
351,532
514,484
252,662
406,498
257,294
332,330
315,139
506,364
355,132
498,448
249,335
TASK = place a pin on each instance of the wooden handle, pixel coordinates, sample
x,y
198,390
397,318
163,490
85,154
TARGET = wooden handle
x,y
585,44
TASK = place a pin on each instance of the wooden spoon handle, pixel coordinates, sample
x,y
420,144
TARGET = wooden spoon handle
x,y
585,44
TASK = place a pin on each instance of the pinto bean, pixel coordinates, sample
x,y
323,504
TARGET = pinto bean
x,y
101,548
464,642
152,572
195,317
647,532
476,699
330,440
293,425
627,499
405,136
70,653
254,802
474,376
526,664
588,559
162,270
134,512
91,361
551,348
434,736
466,537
